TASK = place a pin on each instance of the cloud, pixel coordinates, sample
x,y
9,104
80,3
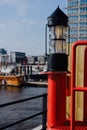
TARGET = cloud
x,y
9,2
2,25
32,21
27,21
21,6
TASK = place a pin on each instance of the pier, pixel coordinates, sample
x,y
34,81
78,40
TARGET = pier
x,y
20,75
37,84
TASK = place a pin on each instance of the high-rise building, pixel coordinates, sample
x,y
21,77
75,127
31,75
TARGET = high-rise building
x,y
77,13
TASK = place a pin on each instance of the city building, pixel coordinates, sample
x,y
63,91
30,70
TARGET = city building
x,y
3,51
36,60
41,59
31,60
4,57
77,13
18,57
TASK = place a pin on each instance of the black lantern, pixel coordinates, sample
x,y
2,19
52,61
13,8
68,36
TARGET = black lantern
x,y
58,24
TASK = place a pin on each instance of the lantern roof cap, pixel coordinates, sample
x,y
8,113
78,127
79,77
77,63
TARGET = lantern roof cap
x,y
58,17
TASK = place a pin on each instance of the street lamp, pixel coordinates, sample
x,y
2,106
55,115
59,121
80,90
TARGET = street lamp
x,y
57,24
57,70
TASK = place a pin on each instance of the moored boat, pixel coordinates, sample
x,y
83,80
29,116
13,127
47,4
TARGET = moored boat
x,y
14,80
10,76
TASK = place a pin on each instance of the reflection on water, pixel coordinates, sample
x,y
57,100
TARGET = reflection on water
x,y
19,111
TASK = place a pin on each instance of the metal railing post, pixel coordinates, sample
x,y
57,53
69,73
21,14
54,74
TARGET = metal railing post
x,y
44,117
43,112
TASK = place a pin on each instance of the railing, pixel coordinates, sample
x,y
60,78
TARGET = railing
x,y
43,112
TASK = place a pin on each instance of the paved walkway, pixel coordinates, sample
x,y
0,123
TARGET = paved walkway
x,y
38,128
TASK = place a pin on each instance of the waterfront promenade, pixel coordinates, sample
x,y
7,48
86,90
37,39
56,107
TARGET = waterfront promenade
x,y
38,128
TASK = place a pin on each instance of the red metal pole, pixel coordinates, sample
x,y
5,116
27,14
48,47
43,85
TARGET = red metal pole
x,y
85,84
56,99
72,86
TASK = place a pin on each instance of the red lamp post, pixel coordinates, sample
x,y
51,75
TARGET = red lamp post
x,y
57,70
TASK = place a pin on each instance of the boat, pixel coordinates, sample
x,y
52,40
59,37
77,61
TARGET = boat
x,y
12,80
8,76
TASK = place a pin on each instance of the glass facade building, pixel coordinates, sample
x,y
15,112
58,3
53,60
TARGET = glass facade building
x,y
77,13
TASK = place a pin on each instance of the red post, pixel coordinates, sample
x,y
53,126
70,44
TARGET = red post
x,y
68,88
85,84
56,99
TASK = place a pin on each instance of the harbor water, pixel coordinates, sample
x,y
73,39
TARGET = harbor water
x,y
10,114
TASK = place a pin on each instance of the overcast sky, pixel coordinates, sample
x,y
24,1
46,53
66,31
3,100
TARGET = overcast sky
x,y
22,24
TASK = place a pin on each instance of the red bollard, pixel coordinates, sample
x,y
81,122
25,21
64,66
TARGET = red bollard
x,y
85,84
56,99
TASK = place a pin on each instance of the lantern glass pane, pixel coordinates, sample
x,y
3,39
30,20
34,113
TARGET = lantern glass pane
x,y
60,32
57,39
60,46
